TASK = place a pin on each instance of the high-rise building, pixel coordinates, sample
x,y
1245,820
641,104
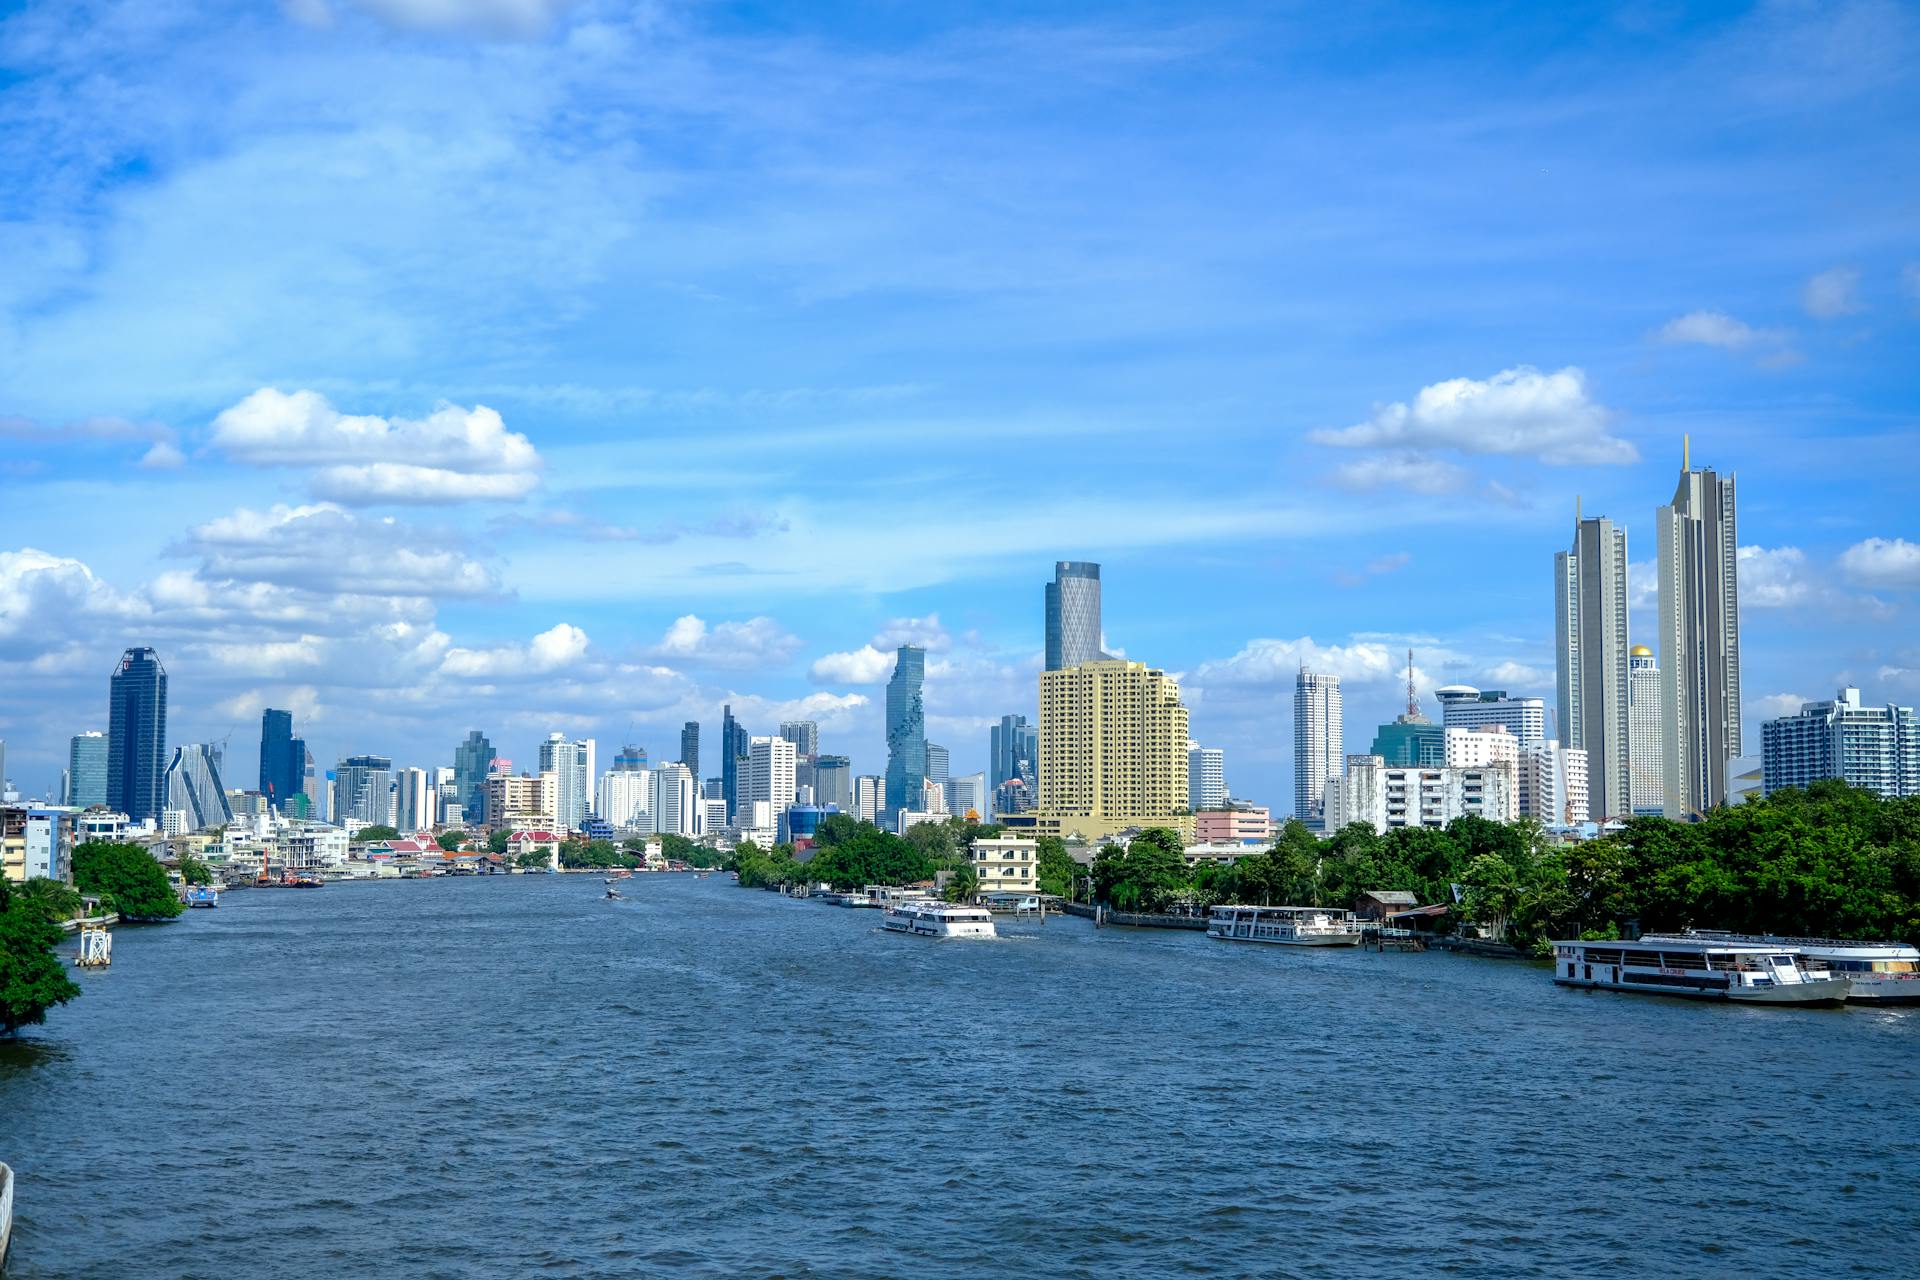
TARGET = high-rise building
x,y
1073,615
938,767
1113,750
519,802
630,759
363,792
1553,784
413,800
1644,731
1319,742
194,788
1877,748
869,797
1464,707
571,763
87,769
967,794
1385,796
673,807
770,772
283,758
1411,741
1590,590
1699,640
803,734
625,798
690,747
1013,746
833,783
137,736
906,729
1206,777
733,751
1485,747
472,762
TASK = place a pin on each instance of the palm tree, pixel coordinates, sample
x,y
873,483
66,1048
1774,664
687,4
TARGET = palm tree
x,y
59,900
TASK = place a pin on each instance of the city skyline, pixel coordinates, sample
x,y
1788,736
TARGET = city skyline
x,y
466,506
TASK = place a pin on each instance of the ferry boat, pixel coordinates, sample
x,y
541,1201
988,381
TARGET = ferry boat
x,y
1286,926
1701,968
202,895
1881,972
932,919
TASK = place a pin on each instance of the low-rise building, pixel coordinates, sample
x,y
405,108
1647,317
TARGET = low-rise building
x,y
36,842
1249,823
1006,864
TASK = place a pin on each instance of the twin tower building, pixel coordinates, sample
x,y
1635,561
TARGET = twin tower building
x,y
1659,731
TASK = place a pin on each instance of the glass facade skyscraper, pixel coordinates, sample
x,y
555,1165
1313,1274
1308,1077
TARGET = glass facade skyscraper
x,y
472,760
194,787
1590,633
690,748
87,770
137,736
1319,743
734,744
1699,641
1013,746
906,730
1073,615
283,759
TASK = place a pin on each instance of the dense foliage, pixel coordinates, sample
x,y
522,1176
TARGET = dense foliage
x,y
126,879
378,831
849,853
1829,861
194,871
451,841
598,854
32,979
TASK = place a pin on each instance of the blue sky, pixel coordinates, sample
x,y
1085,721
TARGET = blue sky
x,y
433,364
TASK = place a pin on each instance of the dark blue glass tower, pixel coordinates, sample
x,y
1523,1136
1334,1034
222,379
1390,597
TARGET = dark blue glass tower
x,y
137,735
472,760
906,731
283,758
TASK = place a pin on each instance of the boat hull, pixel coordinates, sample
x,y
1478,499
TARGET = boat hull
x,y
1330,940
1803,994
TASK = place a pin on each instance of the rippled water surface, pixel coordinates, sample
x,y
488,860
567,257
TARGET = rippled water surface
x,y
510,1076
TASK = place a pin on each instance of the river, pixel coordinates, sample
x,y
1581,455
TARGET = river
x,y
508,1076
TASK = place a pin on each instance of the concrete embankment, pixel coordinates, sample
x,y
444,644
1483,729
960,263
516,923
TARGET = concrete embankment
x,y
1133,919
73,926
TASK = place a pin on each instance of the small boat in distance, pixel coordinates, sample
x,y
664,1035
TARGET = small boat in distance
x,y
929,918
202,895
1698,968
1284,926
1881,972
613,895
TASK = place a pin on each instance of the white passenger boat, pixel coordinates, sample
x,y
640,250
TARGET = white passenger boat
x,y
933,919
1701,968
1881,972
1285,926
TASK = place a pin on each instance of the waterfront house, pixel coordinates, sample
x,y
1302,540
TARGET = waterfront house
x,y
1005,865
1377,904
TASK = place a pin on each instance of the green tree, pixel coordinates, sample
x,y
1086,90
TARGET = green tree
x,y
60,901
194,871
378,831
837,828
497,841
934,840
451,841
963,884
1058,873
32,979
128,875
531,858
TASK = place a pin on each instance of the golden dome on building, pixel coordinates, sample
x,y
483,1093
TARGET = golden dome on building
x,y
1641,651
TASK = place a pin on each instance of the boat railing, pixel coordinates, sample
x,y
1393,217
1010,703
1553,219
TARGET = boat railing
x,y
1762,939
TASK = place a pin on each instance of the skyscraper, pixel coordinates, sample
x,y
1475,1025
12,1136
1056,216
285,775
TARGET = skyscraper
x,y
769,773
833,782
472,761
194,788
733,753
1319,742
1590,590
283,758
1012,747
1877,748
1206,777
1699,640
1464,707
906,730
1644,726
939,768
137,736
571,764
413,795
1073,615
363,792
87,769
803,734
630,759
1113,750
690,748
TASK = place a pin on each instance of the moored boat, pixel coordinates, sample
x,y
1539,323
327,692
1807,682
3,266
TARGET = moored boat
x,y
929,918
1880,972
1284,926
1698,968
202,895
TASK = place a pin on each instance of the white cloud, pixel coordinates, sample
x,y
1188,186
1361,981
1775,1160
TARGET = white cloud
x,y
1268,661
925,632
46,599
324,548
1711,329
1518,677
512,18
451,455
163,456
757,642
559,646
1892,563
1643,584
1774,705
865,665
1409,472
1519,412
1774,578
1832,293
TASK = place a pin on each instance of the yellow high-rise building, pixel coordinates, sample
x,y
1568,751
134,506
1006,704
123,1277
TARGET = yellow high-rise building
x,y
1113,751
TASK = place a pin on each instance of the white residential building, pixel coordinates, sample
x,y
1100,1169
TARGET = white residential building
x,y
869,796
673,805
1387,796
1319,743
1646,748
413,800
1006,865
572,765
933,797
1553,785
1480,747
713,815
770,775
1464,707
1206,777
626,798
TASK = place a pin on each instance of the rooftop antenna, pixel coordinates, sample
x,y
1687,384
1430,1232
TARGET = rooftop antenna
x,y
1413,703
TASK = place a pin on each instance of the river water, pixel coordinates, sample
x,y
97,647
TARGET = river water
x,y
511,1076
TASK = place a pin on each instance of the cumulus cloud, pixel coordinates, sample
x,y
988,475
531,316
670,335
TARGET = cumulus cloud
x,y
1409,472
163,456
1832,293
451,455
1519,412
45,599
1892,563
1643,584
559,646
925,632
865,665
1270,661
325,548
1774,577
757,642
1712,329
1774,705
